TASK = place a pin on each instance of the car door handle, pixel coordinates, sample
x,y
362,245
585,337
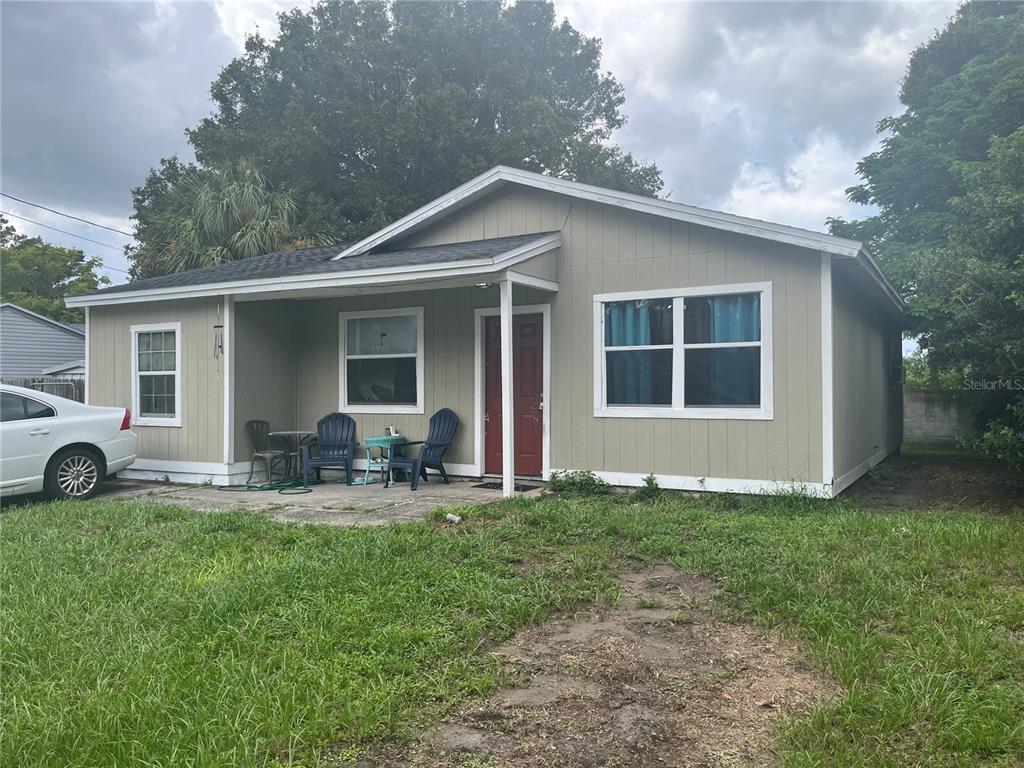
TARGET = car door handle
x,y
37,432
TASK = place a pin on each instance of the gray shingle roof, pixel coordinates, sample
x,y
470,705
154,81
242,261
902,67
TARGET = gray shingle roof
x,y
318,261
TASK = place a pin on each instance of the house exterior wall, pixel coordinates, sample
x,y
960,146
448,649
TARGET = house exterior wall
x,y
200,436
608,249
265,367
449,360
28,345
868,403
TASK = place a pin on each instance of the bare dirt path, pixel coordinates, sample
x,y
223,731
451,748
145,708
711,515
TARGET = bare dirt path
x,y
659,680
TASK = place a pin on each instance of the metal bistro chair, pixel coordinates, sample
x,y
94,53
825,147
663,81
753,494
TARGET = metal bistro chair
x,y
336,434
440,434
264,450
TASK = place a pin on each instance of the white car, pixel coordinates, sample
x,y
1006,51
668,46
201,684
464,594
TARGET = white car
x,y
59,446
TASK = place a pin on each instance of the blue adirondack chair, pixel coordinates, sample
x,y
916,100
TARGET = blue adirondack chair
x,y
336,433
440,434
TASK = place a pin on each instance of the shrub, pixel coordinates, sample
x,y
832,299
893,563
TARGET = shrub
x,y
1005,440
568,483
649,491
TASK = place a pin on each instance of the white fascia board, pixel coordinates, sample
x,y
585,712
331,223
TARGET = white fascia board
x,y
803,238
382,276
476,187
875,272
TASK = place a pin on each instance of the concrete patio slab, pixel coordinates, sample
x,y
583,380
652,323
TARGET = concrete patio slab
x,y
331,503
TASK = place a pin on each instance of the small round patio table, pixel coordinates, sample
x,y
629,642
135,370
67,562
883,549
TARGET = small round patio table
x,y
384,446
295,438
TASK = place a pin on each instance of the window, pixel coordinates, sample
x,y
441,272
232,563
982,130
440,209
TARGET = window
x,y
156,374
381,358
17,408
687,353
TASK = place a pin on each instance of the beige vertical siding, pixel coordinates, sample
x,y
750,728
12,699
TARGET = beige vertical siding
x,y
200,436
287,367
607,249
266,366
868,404
449,360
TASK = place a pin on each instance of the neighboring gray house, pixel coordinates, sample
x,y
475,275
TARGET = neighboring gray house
x,y
33,346
568,326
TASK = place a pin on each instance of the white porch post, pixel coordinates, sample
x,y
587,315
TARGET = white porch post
x,y
507,430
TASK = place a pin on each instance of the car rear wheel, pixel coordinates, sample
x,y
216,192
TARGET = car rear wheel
x,y
73,474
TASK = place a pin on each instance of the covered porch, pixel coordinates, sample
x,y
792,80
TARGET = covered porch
x,y
391,351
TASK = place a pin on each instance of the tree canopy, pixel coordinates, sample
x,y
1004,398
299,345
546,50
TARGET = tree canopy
x,y
38,275
364,111
949,184
187,217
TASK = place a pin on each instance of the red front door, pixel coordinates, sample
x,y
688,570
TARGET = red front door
x,y
528,393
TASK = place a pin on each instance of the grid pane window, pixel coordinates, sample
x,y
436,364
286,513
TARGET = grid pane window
x,y
156,358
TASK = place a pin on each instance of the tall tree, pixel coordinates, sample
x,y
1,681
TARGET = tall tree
x,y
187,217
949,184
38,275
367,110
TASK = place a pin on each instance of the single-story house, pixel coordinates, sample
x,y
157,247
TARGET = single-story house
x,y
33,346
569,326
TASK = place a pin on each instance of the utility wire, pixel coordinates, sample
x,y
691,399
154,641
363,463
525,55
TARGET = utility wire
x,y
72,234
69,216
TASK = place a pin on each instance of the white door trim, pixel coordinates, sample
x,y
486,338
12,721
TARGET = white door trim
x,y
478,381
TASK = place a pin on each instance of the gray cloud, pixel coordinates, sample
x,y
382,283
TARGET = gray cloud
x,y
723,95
761,108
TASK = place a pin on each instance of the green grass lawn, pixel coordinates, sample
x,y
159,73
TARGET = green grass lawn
x,y
139,634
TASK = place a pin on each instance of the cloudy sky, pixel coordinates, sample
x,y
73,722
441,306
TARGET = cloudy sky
x,y
762,109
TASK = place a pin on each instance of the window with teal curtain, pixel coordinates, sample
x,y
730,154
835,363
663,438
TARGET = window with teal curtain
x,y
718,374
638,376
722,319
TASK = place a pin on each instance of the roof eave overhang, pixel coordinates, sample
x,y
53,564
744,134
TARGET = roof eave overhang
x,y
500,175
364,279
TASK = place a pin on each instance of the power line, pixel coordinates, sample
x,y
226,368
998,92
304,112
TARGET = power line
x,y
69,216
72,234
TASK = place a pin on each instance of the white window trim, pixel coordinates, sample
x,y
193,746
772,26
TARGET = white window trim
x,y
343,403
678,410
155,421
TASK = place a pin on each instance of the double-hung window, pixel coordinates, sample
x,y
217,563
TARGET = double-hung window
x,y
381,355
156,374
686,353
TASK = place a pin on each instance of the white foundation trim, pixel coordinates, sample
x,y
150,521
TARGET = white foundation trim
x,y
213,473
849,478
715,484
191,472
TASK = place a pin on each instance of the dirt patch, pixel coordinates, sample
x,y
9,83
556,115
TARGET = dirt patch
x,y
926,482
659,680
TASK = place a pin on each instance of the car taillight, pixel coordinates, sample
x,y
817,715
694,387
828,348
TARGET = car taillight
x,y
126,422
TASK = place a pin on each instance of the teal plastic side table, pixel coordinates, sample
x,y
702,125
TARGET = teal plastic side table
x,y
384,446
